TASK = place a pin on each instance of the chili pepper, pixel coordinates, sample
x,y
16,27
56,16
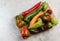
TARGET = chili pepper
x,y
25,31
31,9
29,16
36,25
36,17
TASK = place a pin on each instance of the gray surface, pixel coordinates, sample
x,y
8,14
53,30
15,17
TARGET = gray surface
x,y
8,29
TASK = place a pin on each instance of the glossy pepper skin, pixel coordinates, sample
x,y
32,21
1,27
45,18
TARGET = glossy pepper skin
x,y
54,21
31,9
29,16
36,25
24,31
49,11
45,5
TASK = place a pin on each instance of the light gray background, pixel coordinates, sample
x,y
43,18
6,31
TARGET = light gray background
x,y
8,29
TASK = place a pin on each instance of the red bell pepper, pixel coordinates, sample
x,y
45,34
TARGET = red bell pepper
x,y
31,9
25,31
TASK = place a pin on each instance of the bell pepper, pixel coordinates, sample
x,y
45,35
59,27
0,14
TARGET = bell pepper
x,y
36,25
31,9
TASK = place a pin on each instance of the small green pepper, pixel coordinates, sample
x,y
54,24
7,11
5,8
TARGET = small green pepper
x,y
45,6
54,20
36,25
49,24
